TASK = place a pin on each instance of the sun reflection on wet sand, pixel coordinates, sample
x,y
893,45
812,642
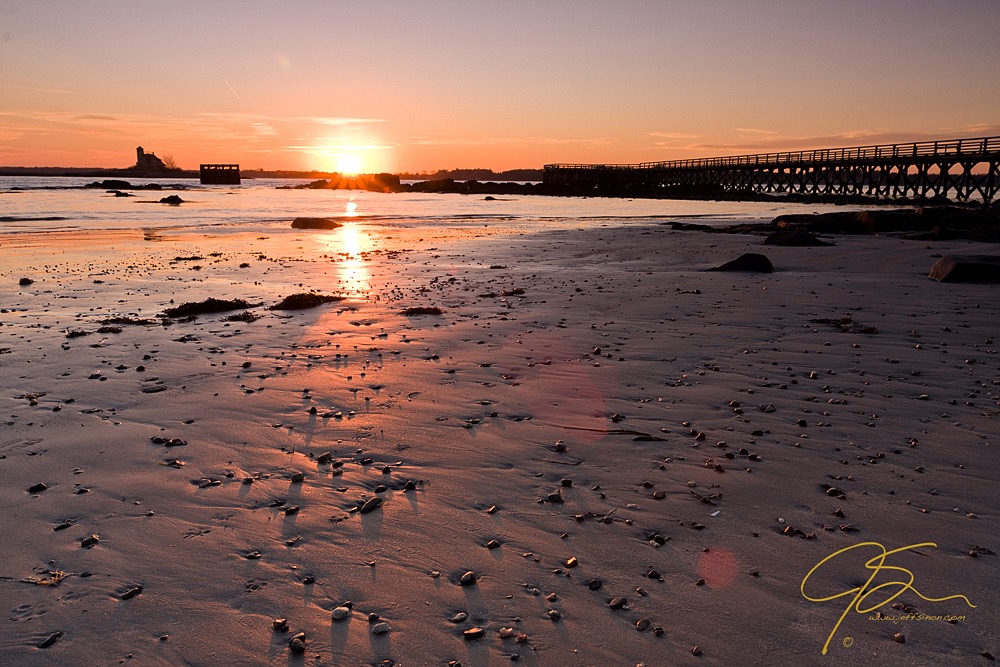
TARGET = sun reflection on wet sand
x,y
349,244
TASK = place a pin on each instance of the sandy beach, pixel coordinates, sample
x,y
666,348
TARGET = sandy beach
x,y
639,461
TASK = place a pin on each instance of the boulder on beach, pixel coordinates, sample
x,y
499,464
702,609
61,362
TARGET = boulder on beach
x,y
315,223
967,269
750,262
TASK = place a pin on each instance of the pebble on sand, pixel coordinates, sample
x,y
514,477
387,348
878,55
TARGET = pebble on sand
x,y
340,613
297,644
380,628
473,633
371,505
131,592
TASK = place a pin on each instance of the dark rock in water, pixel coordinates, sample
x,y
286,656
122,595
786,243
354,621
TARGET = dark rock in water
x,y
315,223
173,200
110,184
795,239
119,193
304,300
24,282
967,269
749,262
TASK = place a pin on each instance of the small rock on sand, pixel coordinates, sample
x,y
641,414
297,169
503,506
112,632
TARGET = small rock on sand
x,y
340,613
131,592
371,505
468,579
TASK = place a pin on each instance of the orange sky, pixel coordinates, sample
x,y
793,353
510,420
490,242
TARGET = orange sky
x,y
419,86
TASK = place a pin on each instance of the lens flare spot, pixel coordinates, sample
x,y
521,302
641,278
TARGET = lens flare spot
x,y
718,567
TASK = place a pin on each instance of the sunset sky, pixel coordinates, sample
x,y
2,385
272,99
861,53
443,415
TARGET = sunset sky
x,y
420,85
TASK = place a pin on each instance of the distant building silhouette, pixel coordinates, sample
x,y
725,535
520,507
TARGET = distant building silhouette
x,y
148,161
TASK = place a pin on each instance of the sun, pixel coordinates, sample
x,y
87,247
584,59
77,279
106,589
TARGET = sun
x,y
348,164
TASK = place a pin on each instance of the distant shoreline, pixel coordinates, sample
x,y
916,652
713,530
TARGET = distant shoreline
x,y
131,172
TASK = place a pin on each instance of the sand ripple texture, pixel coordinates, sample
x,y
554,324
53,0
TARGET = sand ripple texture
x,y
581,448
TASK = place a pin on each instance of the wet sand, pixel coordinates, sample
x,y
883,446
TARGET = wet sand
x,y
592,418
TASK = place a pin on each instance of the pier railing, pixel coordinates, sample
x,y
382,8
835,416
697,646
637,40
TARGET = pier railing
x,y
963,168
980,148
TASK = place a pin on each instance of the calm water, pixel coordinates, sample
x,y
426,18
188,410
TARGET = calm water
x,y
31,204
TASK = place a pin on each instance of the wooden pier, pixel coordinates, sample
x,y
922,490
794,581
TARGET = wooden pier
x,y
220,174
958,169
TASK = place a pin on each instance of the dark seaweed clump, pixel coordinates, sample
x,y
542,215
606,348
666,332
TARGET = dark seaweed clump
x,y
131,321
210,305
423,310
304,300
245,316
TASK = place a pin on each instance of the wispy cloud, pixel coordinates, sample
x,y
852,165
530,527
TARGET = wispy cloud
x,y
335,121
46,90
332,147
672,139
508,141
264,129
